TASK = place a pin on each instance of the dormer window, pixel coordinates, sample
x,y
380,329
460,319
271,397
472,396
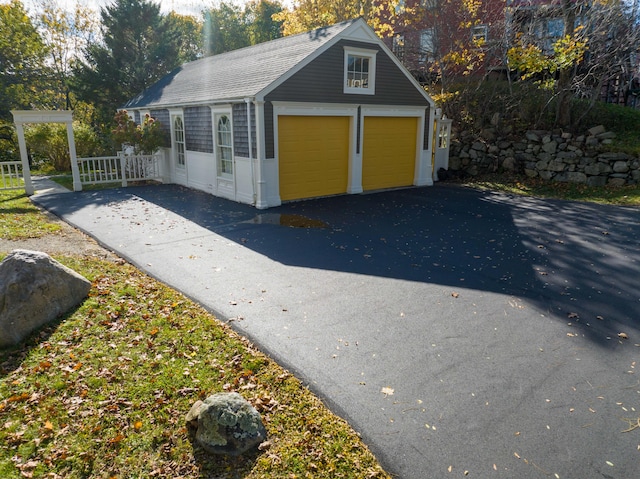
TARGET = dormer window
x,y
359,71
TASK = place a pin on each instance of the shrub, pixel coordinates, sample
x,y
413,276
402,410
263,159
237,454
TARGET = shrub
x,y
144,138
48,144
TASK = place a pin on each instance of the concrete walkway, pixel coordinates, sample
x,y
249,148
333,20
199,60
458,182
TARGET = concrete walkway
x,y
458,331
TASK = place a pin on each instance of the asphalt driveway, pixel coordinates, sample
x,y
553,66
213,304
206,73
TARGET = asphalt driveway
x,y
460,332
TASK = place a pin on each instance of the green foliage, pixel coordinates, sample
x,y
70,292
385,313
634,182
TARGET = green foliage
x,y
225,29
189,32
22,60
144,138
139,46
624,121
228,26
531,62
259,16
48,143
9,150
523,106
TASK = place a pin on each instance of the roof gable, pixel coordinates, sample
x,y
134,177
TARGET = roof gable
x,y
252,71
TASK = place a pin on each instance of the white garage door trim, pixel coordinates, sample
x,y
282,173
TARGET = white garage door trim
x,y
422,174
354,184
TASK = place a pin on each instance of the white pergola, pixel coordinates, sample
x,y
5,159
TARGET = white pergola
x,y
20,117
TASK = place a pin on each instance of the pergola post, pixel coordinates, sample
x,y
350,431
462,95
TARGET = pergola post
x,y
26,170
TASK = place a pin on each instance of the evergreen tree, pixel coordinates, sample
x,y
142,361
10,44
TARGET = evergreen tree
x,y
139,46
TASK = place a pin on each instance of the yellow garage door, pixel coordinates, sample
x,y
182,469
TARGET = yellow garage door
x,y
389,152
313,154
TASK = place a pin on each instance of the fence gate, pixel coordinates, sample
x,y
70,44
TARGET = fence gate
x,y
442,137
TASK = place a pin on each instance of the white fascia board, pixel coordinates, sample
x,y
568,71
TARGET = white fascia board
x,y
359,31
392,110
407,73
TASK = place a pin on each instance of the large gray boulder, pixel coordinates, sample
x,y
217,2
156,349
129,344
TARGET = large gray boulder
x,y
34,290
226,424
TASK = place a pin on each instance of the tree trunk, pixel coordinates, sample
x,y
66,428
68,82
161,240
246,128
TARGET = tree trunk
x,y
565,75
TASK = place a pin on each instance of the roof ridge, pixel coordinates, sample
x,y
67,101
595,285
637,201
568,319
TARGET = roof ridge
x,y
344,24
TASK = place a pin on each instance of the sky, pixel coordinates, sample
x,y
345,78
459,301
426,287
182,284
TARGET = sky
x,y
183,7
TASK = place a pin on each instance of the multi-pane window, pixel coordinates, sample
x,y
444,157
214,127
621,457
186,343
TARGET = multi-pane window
x,y
398,46
359,71
178,141
429,4
548,31
224,146
427,45
480,34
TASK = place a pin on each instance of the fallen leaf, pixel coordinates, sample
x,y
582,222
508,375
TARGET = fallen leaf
x,y
48,425
137,425
387,391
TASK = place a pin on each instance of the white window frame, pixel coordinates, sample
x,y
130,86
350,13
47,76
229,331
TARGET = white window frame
x,y
223,164
178,145
427,45
398,46
480,33
370,55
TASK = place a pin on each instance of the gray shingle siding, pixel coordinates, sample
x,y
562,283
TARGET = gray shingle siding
x,y
162,116
321,81
240,133
198,131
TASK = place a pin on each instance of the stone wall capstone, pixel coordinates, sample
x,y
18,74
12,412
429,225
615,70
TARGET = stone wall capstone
x,y
550,155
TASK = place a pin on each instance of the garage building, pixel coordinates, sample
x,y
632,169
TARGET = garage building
x,y
327,112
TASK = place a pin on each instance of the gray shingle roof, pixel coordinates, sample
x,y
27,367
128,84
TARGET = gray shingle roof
x,y
236,74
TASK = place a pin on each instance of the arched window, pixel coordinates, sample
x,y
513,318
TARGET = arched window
x,y
178,141
224,143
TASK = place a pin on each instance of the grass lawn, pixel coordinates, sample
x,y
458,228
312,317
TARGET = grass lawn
x,y
104,392
622,196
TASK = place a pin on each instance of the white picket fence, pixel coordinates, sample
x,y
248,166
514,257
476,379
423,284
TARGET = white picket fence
x,y
11,175
118,169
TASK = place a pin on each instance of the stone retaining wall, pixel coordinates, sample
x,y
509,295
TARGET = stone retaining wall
x,y
555,156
